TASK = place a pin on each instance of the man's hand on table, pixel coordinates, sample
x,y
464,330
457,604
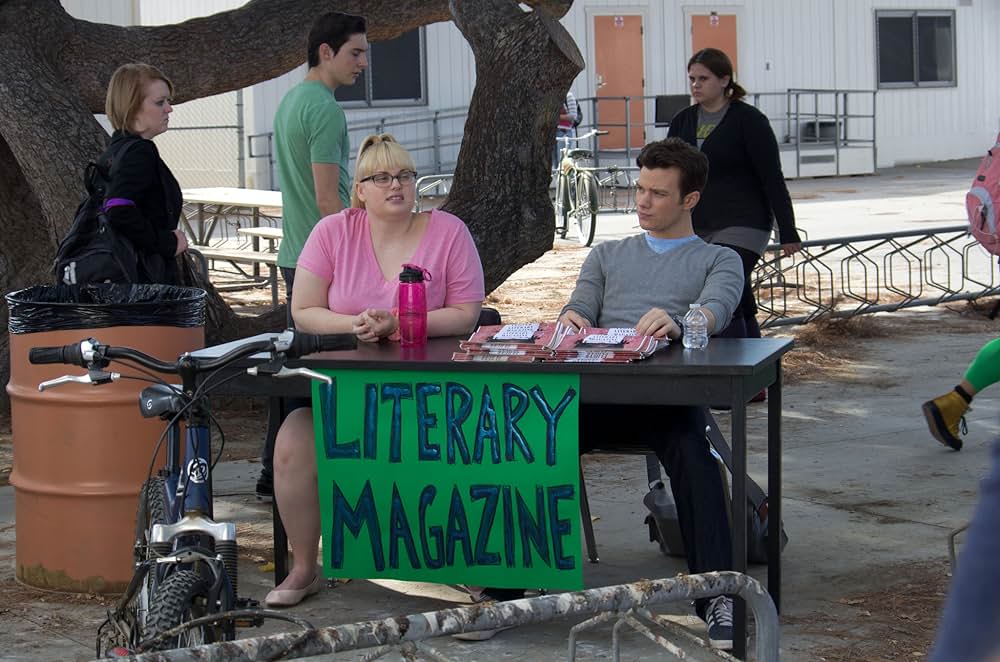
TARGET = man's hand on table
x,y
658,323
574,319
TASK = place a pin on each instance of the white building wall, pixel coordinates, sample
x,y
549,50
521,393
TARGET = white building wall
x,y
113,12
782,44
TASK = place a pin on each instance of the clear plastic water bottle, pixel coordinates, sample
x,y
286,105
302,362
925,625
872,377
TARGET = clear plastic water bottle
x,y
695,328
412,306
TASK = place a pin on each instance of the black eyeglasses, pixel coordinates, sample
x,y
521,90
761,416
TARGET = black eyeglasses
x,y
384,179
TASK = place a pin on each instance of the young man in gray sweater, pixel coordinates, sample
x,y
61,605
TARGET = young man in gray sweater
x,y
647,281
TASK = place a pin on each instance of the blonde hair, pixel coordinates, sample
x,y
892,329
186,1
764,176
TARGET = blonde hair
x,y
126,92
378,153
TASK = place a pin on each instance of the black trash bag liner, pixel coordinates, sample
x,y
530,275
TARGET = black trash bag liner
x,y
68,307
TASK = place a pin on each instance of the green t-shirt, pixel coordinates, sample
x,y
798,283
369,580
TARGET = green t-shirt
x,y
309,127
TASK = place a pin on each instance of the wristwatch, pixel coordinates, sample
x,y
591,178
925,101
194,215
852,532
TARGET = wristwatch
x,y
680,325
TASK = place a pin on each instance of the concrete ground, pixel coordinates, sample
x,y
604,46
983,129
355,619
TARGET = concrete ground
x,y
869,497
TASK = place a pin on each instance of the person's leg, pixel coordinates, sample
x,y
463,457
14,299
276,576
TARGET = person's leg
x,y
967,628
297,495
265,483
559,145
984,371
945,414
677,436
696,484
744,323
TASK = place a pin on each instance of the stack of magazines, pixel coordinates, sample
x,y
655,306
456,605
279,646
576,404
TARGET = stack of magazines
x,y
554,341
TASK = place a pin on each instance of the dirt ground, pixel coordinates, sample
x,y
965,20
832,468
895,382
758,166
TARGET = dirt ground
x,y
892,624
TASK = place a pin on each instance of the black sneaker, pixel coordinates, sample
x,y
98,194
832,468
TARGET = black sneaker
x,y
719,619
265,487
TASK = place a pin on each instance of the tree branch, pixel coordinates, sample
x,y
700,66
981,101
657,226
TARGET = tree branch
x,y
233,49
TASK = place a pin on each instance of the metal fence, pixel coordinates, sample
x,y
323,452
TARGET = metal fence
x,y
432,138
204,146
625,603
856,275
802,119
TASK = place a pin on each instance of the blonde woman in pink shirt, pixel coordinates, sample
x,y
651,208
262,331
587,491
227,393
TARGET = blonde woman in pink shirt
x,y
346,281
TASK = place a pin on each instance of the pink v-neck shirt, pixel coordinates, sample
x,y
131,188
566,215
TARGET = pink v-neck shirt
x,y
340,250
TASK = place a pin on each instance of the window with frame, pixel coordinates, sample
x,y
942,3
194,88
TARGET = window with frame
x,y
915,48
396,74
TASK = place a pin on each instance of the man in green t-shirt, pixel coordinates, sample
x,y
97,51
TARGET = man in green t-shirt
x,y
310,133
312,150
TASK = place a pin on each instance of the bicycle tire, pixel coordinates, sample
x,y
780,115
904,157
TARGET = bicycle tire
x,y
152,509
562,205
586,208
181,597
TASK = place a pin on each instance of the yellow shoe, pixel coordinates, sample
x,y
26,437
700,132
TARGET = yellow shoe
x,y
945,416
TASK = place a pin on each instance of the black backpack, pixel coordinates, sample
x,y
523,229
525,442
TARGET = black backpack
x,y
93,251
579,115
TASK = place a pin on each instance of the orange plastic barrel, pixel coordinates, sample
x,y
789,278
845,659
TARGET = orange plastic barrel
x,y
82,452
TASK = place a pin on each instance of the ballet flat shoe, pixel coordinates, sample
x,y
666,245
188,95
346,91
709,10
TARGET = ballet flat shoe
x,y
289,597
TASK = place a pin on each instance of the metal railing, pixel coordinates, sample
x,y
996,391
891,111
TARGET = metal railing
x,y
800,117
857,275
624,601
432,138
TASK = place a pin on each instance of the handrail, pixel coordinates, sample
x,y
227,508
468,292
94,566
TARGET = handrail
x,y
435,131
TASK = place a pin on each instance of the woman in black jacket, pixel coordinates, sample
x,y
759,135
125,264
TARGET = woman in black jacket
x,y
143,199
746,190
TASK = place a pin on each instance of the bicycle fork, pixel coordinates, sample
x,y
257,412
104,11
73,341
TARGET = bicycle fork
x,y
189,492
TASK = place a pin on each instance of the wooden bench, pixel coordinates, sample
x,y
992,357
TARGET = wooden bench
x,y
237,257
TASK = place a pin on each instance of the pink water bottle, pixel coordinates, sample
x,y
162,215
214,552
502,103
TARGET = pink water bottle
x,y
412,306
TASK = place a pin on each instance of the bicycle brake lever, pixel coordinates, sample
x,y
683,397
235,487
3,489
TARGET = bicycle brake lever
x,y
302,372
94,377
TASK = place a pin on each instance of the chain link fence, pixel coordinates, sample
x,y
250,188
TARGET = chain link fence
x,y
204,146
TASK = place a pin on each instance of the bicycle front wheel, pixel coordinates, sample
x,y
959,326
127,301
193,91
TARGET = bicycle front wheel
x,y
562,205
183,597
586,208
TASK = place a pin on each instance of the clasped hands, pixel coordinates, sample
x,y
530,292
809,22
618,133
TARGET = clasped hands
x,y
657,323
373,324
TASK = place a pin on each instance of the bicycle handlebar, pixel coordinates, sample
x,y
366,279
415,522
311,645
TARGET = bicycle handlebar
x,y
589,134
91,354
70,354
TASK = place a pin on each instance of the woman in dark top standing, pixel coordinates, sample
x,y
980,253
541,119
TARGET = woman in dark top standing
x,y
746,189
143,199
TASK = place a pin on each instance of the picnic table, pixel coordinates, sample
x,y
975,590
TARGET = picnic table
x,y
222,203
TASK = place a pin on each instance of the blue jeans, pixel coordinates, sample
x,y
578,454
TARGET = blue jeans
x,y
559,145
968,626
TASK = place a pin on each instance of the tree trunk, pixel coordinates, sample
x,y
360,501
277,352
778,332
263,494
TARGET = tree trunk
x,y
54,71
501,185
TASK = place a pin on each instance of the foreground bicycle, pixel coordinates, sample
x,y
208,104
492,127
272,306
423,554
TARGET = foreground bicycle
x,y
185,588
576,190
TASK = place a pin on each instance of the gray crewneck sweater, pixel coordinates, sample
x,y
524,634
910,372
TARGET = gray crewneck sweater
x,y
620,281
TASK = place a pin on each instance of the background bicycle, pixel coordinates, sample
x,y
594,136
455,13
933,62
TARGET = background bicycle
x,y
576,189
185,588
616,187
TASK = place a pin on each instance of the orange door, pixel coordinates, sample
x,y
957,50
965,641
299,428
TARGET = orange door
x,y
618,61
715,31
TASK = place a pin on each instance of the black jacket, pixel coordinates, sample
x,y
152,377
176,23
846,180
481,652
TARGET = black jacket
x,y
745,183
145,179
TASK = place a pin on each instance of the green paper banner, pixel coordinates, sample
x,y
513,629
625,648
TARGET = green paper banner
x,y
465,477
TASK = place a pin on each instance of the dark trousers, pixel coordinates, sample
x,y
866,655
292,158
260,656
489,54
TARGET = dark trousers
x,y
677,436
744,323
287,404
